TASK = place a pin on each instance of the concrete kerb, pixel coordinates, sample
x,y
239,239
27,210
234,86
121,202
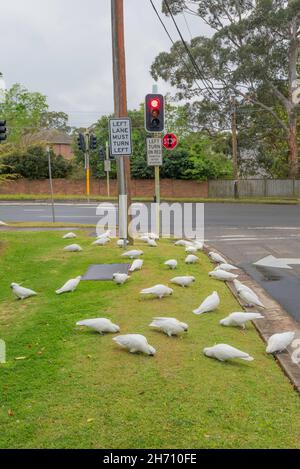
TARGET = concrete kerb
x,y
276,320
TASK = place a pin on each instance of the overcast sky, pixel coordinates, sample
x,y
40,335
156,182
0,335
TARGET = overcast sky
x,y
62,48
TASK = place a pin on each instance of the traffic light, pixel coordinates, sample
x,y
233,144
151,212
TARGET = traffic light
x,y
93,142
154,113
102,153
3,135
81,142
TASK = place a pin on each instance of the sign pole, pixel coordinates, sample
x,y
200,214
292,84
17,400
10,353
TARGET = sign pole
x,y
107,172
50,182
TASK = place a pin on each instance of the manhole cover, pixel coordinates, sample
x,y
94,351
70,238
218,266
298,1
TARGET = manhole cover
x,y
105,271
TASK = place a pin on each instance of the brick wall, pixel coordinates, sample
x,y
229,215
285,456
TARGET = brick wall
x,y
140,188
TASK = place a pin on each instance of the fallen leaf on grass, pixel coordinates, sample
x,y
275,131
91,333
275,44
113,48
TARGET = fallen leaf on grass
x,y
20,358
10,413
90,420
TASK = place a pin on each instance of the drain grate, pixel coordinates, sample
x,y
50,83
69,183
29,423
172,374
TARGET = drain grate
x,y
105,271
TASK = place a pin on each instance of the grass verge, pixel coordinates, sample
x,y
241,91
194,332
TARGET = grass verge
x,y
75,389
79,198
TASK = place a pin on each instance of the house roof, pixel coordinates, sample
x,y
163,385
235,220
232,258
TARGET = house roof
x,y
53,136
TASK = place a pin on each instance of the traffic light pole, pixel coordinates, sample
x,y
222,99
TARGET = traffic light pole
x,y
87,165
120,108
157,181
107,172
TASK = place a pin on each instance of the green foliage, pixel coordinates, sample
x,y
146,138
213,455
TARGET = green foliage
x,y
251,54
32,163
182,163
205,162
23,111
27,112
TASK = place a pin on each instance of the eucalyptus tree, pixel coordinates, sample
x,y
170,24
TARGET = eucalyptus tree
x,y
252,53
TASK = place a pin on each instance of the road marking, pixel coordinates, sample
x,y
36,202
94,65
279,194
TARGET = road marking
x,y
69,216
34,210
271,261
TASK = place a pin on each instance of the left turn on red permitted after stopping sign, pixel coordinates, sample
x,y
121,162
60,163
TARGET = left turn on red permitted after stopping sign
x,y
120,137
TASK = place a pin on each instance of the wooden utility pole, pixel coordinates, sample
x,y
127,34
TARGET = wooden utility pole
x,y
120,97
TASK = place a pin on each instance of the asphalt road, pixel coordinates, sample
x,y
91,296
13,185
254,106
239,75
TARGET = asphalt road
x,y
244,233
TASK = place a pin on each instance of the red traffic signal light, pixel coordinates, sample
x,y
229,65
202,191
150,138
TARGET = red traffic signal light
x,y
154,113
154,103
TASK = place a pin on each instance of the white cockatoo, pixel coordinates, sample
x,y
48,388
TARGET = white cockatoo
x,y
120,279
217,258
136,265
198,245
210,303
106,234
241,286
169,326
250,298
122,243
100,325
224,352
184,281
101,241
69,236
153,236
152,243
69,286
240,319
191,250
21,292
135,343
183,242
227,267
144,238
73,248
279,342
133,254
222,275
171,263
158,290
191,259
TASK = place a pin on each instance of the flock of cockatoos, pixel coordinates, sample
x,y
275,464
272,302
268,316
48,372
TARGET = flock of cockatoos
x,y
171,326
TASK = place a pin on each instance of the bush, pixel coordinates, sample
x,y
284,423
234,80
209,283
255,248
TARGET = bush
x,y
32,163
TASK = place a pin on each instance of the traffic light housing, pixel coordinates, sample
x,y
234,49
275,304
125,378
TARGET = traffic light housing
x,y
93,142
154,113
3,129
81,142
102,153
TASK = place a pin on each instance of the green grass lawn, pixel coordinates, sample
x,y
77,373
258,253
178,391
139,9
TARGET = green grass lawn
x,y
94,198
77,389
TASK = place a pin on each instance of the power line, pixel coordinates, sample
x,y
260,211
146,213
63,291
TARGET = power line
x,y
173,42
193,61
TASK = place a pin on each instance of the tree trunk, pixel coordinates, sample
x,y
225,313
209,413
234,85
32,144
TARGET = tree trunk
x,y
293,146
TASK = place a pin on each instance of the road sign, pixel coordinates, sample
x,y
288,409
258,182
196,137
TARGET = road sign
x,y
107,166
170,141
120,137
154,152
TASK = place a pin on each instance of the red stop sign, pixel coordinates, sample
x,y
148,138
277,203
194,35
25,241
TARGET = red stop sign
x,y
170,141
